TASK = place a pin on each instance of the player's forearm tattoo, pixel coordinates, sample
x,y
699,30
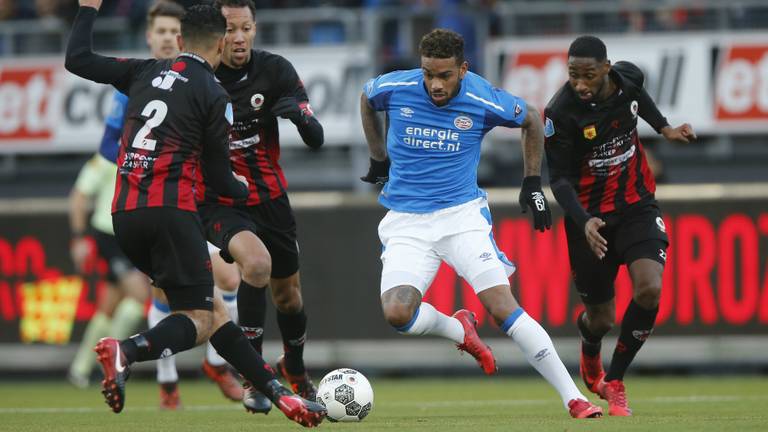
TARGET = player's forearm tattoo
x,y
532,136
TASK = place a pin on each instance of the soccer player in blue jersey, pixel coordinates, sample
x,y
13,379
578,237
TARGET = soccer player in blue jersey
x,y
437,118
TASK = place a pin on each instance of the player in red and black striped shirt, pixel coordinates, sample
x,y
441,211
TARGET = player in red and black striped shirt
x,y
600,177
177,120
259,232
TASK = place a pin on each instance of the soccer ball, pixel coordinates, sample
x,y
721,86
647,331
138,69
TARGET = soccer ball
x,y
346,394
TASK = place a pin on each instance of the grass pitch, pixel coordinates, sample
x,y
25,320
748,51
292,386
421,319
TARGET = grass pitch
x,y
472,404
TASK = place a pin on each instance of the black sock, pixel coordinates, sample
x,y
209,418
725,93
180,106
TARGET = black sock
x,y
251,311
173,334
230,342
293,328
635,329
590,343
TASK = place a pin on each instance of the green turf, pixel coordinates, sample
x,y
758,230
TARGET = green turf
x,y
482,404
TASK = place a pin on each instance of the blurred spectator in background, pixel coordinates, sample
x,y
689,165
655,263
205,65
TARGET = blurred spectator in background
x,y
451,16
47,9
7,10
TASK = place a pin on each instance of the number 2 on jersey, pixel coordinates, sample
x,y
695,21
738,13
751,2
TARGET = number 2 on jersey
x,y
155,112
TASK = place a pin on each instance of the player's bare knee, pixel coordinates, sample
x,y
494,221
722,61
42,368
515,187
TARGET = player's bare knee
x,y
229,281
399,304
256,269
397,315
601,325
288,301
648,294
601,321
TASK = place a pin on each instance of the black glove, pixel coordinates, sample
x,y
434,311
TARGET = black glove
x,y
532,196
288,108
378,173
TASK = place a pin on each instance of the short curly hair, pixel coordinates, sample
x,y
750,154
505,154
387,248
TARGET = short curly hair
x,y
442,43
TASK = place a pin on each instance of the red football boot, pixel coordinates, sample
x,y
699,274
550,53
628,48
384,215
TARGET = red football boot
x,y
581,409
302,385
224,377
473,344
613,391
302,411
116,372
591,370
169,396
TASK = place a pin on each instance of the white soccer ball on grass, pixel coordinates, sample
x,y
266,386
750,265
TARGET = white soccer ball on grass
x,y
346,394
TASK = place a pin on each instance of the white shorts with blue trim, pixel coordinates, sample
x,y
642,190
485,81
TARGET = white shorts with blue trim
x,y
414,245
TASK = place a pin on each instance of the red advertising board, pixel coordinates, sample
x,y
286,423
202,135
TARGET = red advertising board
x,y
742,83
25,103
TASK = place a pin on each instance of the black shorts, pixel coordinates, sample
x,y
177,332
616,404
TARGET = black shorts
x,y
632,233
118,265
273,222
168,245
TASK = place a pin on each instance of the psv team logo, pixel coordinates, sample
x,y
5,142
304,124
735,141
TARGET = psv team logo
x,y
257,101
633,107
549,128
462,122
590,132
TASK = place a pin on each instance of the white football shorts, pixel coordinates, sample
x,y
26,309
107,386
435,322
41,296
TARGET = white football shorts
x,y
414,244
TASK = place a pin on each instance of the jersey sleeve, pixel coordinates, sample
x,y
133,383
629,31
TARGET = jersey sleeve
x,y
559,147
83,62
504,109
558,144
378,91
289,82
91,176
649,112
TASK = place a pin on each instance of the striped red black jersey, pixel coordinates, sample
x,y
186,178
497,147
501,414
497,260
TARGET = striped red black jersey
x,y
254,145
595,145
177,117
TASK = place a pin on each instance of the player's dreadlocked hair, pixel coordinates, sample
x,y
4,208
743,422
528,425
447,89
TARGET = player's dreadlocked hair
x,y
202,24
164,8
588,46
442,43
236,4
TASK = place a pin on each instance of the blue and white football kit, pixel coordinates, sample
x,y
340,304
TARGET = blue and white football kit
x,y
437,211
